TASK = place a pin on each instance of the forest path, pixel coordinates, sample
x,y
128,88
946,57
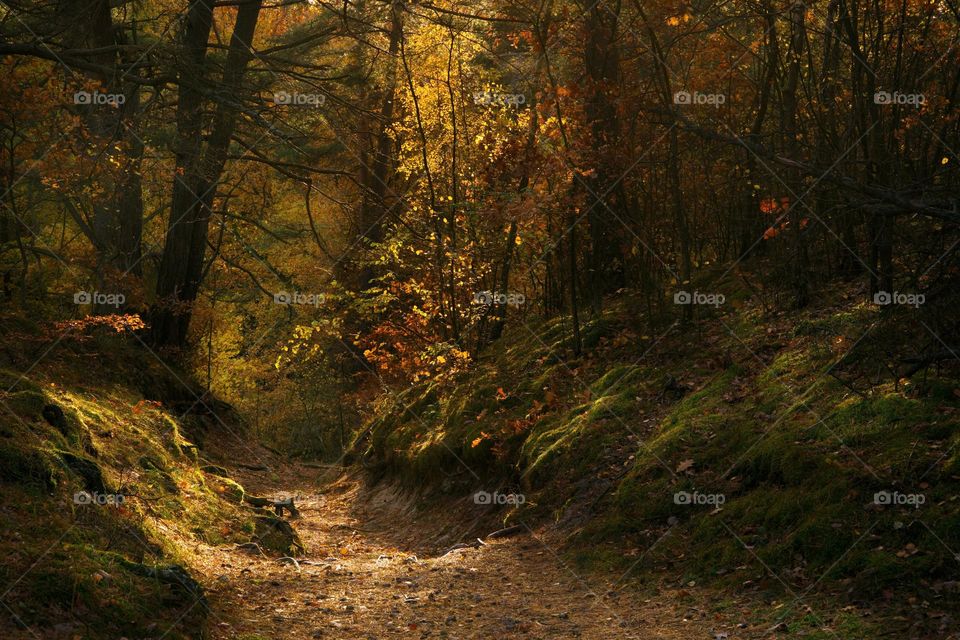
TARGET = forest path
x,y
364,585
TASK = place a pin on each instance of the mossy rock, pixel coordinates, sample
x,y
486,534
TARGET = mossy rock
x,y
190,450
27,404
152,463
215,470
172,440
27,466
55,417
590,335
87,469
157,468
69,425
277,535
194,428
227,489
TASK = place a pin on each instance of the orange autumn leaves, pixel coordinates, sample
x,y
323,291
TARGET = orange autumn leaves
x,y
117,323
778,207
514,426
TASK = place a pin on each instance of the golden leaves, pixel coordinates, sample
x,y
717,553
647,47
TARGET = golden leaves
x,y
117,323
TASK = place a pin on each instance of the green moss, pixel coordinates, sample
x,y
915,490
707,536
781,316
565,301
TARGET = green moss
x,y
174,442
27,404
27,466
227,489
591,333
795,453
110,439
88,471
702,403
11,381
617,377
831,325
776,460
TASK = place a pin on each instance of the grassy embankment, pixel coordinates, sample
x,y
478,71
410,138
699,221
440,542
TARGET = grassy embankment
x,y
93,417
766,409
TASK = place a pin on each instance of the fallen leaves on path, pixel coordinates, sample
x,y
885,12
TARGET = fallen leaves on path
x,y
354,584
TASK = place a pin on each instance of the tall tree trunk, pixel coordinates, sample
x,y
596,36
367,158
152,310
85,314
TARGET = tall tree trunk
x,y
197,170
605,201
798,37
167,324
454,204
866,114
375,172
574,305
501,310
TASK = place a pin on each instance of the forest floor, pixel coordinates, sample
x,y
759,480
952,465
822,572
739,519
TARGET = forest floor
x,y
366,573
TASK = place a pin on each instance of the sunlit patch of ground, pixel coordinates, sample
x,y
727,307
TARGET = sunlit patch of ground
x,y
353,583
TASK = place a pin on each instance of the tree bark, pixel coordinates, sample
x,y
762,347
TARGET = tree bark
x,y
792,143
605,193
375,174
197,169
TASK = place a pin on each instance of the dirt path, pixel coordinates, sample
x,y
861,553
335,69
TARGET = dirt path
x,y
364,586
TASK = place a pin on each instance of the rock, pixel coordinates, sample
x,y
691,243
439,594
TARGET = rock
x,y
215,470
86,469
26,466
276,534
55,418
151,463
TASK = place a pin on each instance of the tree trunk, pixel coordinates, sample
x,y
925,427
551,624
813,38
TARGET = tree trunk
x,y
197,171
373,208
501,310
605,201
792,144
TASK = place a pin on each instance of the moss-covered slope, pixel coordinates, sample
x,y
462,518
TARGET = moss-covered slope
x,y
742,448
102,500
